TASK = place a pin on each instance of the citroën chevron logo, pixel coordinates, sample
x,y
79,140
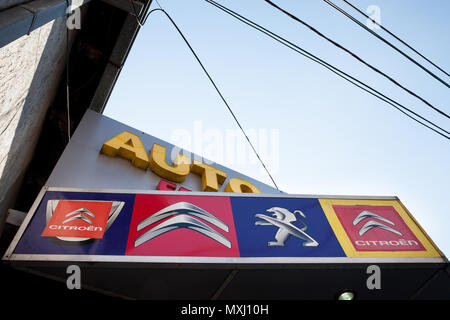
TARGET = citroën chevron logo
x,y
373,224
182,215
80,220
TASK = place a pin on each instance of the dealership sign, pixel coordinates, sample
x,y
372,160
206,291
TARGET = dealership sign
x,y
160,226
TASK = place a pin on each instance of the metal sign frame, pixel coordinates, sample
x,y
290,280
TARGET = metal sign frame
x,y
227,261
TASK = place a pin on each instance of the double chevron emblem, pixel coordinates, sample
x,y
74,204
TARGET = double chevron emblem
x,y
182,215
375,221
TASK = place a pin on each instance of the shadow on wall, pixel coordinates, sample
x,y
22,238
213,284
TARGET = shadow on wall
x,y
24,133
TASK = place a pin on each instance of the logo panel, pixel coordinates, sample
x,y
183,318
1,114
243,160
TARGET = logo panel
x,y
376,228
38,238
171,225
283,227
77,219
283,220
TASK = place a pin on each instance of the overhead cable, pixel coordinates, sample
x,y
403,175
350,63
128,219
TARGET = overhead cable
x,y
397,37
214,85
68,13
406,111
362,25
357,58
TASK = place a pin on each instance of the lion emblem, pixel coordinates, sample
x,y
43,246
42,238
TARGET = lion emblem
x,y
283,219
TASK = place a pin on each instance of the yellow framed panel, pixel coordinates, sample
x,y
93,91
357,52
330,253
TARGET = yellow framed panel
x,y
430,250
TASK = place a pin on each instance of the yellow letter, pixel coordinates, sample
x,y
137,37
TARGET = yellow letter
x,y
240,186
128,146
210,176
158,164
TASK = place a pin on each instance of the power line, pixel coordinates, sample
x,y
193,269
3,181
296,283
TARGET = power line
x,y
396,37
68,13
214,84
345,13
357,58
136,14
332,68
157,2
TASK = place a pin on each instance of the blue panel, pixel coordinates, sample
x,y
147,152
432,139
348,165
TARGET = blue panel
x,y
113,242
316,236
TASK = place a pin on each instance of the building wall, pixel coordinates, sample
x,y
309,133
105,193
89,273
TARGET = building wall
x,y
30,70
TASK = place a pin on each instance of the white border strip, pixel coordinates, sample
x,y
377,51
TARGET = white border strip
x,y
223,194
222,260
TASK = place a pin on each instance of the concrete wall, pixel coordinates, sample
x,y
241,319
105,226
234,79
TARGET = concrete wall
x,y
30,70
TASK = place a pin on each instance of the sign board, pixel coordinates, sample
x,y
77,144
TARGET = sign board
x,y
126,207
160,226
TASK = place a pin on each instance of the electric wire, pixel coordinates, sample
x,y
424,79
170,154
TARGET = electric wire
x,y
214,85
357,58
157,2
397,37
362,25
68,13
332,68
135,13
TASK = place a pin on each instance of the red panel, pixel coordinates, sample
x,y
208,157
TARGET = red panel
x,y
166,185
182,241
398,238
79,224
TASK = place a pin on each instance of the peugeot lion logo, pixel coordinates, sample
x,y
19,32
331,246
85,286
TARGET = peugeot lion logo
x,y
372,224
182,215
283,220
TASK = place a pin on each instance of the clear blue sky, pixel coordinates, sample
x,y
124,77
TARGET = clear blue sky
x,y
333,137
